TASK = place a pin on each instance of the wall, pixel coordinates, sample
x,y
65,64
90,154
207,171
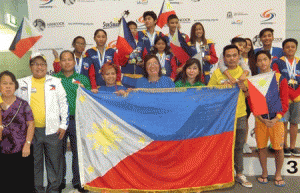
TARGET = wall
x,y
292,21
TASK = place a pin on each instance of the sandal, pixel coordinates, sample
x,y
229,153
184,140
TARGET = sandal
x,y
243,181
263,180
277,183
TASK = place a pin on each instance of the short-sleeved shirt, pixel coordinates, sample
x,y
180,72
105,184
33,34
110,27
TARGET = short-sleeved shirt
x,y
70,85
179,83
163,82
14,135
216,79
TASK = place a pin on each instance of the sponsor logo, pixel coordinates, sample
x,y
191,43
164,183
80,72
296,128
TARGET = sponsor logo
x,y
45,2
185,20
142,2
206,20
256,41
140,23
237,22
69,2
39,24
175,2
239,13
268,17
82,24
113,24
195,0
229,15
112,44
56,24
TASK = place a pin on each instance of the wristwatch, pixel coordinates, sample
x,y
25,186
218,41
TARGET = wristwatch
x,y
29,142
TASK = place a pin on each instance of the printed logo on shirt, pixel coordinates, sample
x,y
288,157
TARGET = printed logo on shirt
x,y
53,87
95,57
33,90
285,70
168,57
74,81
85,66
298,72
24,88
145,38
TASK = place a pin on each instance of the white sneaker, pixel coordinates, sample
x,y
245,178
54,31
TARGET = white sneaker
x,y
246,148
243,181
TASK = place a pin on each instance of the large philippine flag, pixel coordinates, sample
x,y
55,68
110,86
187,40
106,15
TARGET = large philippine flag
x,y
180,48
125,43
25,38
264,94
156,140
165,12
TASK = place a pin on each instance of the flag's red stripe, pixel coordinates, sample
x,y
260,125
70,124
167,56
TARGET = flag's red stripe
x,y
163,18
24,45
166,165
180,54
258,102
124,50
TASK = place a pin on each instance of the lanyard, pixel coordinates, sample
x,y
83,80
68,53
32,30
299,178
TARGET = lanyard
x,y
78,65
198,46
291,68
151,38
101,59
162,59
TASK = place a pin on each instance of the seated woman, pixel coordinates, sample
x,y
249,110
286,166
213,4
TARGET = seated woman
x,y
16,136
153,76
109,73
191,74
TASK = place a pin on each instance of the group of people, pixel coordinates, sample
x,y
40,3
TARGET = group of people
x,y
38,111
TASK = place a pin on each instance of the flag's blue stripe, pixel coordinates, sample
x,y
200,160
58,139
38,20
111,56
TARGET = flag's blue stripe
x,y
175,116
17,37
185,47
128,35
273,97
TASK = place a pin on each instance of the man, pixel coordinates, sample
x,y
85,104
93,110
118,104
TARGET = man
x,y
173,24
48,102
231,55
70,81
266,36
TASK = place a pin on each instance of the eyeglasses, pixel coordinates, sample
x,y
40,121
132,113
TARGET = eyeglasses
x,y
38,64
80,44
151,64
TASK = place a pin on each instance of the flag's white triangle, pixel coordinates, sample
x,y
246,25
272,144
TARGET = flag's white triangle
x,y
262,82
28,30
175,39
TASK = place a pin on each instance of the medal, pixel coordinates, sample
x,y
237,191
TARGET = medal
x,y
293,81
164,71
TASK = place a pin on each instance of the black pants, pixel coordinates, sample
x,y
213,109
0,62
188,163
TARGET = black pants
x,y
16,172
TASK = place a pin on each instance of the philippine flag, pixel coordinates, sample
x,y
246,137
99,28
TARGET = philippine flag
x,y
156,140
180,48
264,94
165,12
25,38
125,43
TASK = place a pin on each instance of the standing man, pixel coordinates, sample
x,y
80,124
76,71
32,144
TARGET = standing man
x,y
47,99
70,81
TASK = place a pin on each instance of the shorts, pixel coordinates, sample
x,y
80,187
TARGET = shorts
x,y
276,135
293,114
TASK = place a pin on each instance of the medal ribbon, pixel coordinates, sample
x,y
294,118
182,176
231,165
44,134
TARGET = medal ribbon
x,y
162,59
151,38
291,68
101,59
78,65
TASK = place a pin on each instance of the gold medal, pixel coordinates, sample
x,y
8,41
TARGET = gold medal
x,y
164,71
293,81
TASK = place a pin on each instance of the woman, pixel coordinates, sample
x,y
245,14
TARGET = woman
x,y
98,56
206,47
82,66
109,73
17,133
153,76
191,74
249,56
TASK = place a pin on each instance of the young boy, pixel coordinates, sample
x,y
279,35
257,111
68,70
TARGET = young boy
x,y
241,44
173,24
289,67
231,55
271,125
146,37
133,29
266,37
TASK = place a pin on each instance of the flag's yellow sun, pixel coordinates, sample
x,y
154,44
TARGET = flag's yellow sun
x,y
105,136
262,82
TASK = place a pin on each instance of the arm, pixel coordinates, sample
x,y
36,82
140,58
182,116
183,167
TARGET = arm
x,y
115,59
63,108
212,57
276,67
221,64
174,68
86,83
92,77
29,137
284,97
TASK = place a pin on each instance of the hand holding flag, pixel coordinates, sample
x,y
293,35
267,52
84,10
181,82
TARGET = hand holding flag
x,y
165,12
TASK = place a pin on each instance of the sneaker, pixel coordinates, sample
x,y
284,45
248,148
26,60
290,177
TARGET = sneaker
x,y
246,148
243,181
287,152
295,152
80,189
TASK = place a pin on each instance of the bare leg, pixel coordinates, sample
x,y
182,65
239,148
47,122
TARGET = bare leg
x,y
262,155
279,157
293,134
